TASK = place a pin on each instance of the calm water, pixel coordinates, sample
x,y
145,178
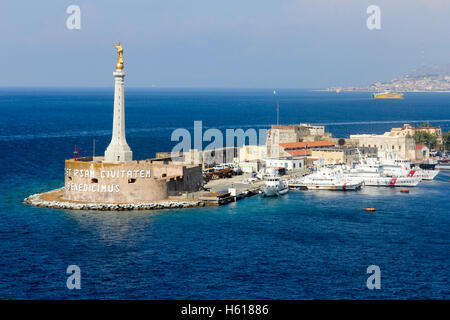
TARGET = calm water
x,y
304,245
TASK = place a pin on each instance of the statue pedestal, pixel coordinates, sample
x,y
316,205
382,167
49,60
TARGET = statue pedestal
x,y
118,149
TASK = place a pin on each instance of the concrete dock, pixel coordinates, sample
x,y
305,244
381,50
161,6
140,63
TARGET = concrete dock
x,y
238,182
221,191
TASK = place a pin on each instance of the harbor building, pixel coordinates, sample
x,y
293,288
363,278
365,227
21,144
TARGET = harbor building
x,y
252,153
251,158
288,164
116,177
342,155
422,152
409,130
251,166
403,146
302,148
206,158
330,152
303,132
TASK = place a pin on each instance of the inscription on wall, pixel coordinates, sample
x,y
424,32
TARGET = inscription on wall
x,y
94,186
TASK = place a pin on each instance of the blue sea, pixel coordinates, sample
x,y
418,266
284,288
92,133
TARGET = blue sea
x,y
306,245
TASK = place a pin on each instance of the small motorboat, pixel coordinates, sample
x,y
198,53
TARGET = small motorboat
x,y
274,186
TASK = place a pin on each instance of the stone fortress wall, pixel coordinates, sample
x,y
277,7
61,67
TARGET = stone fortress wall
x,y
89,180
292,133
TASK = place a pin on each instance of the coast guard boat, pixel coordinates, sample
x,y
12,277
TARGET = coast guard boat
x,y
327,179
373,174
403,168
396,167
393,167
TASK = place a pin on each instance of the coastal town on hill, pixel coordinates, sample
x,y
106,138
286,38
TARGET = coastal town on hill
x,y
427,79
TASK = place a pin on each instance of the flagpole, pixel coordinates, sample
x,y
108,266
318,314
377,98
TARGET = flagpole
x,y
278,107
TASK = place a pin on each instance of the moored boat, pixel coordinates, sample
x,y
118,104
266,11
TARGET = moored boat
x,y
374,175
443,164
376,180
327,179
274,186
404,168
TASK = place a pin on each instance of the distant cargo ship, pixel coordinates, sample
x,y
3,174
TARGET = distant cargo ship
x,y
388,95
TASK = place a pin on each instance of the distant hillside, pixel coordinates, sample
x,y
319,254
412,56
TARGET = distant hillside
x,y
433,71
431,79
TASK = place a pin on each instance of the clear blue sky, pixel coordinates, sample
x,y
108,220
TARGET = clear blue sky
x,y
208,43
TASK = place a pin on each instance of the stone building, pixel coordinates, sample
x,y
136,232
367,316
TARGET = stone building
x,y
278,134
302,148
409,130
422,152
206,158
343,155
387,143
95,180
288,163
328,151
252,153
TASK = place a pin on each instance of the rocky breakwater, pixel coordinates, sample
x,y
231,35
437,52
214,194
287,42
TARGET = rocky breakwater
x,y
38,201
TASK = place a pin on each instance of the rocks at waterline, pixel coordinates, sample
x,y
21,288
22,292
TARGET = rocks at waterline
x,y
35,200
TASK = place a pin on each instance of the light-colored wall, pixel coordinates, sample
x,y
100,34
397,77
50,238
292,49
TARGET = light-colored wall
x,y
292,133
288,164
314,130
408,129
423,153
275,136
343,155
207,158
330,157
387,143
127,182
252,153
250,167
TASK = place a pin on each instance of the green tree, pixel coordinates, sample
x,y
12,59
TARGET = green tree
x,y
446,140
423,137
426,124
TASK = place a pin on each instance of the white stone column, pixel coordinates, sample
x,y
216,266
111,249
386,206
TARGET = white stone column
x,y
118,149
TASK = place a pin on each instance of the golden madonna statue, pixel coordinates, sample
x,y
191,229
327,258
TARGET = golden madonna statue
x,y
119,64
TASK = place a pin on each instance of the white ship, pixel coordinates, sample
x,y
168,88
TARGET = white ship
x,y
403,168
443,166
274,186
327,179
373,175
394,167
443,163
376,180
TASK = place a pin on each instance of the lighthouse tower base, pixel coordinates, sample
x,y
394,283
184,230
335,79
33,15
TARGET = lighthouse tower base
x,y
117,153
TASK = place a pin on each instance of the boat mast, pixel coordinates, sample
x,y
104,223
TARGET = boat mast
x,y
278,108
93,149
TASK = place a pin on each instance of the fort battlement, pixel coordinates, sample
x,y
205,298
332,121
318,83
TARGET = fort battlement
x,y
128,181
